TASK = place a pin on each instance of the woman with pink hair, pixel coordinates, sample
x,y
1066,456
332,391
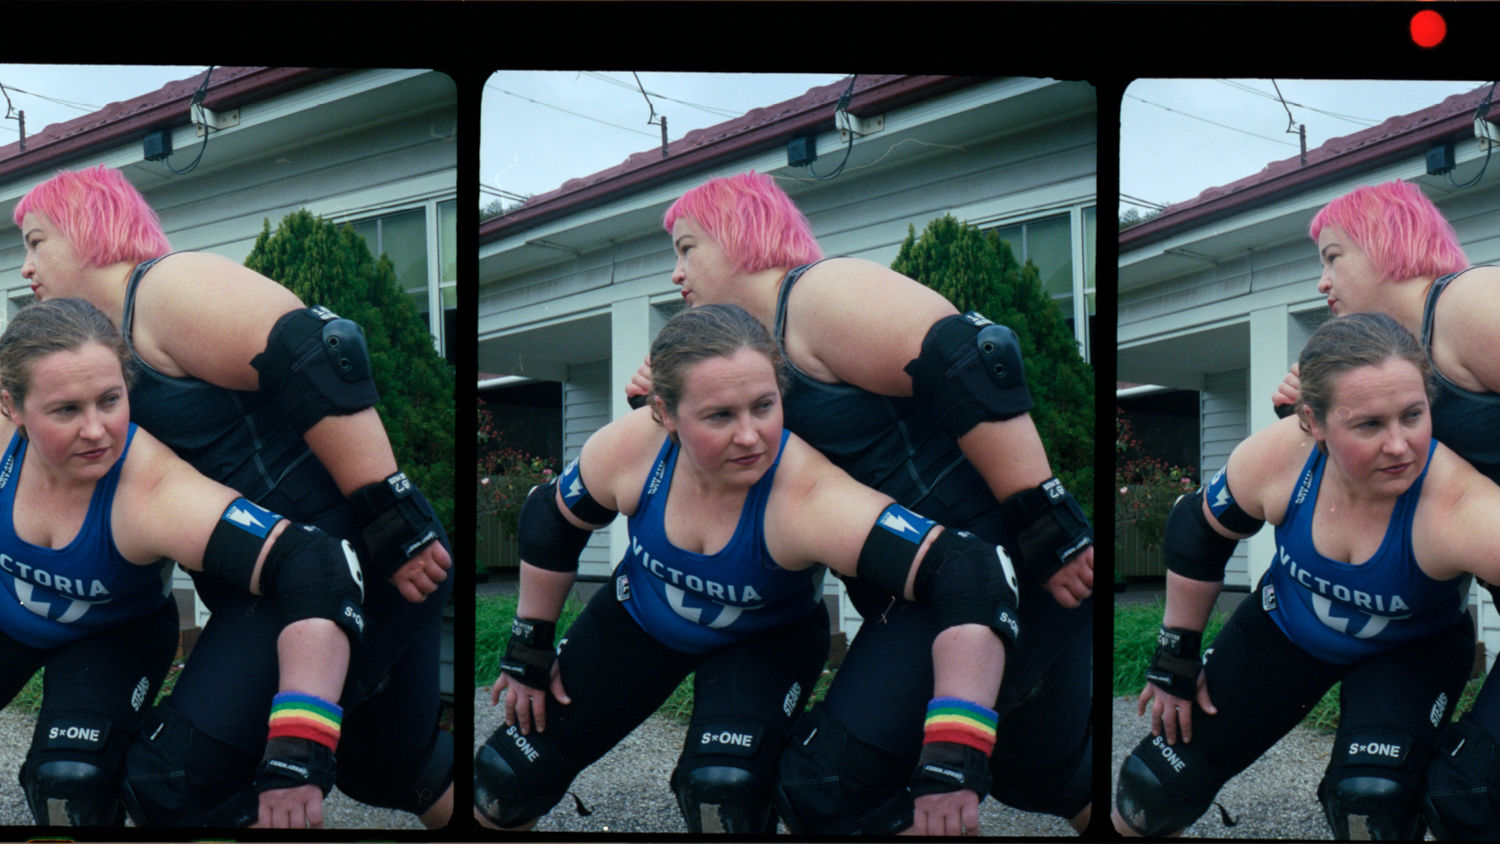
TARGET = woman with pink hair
x,y
930,407
275,400
1386,248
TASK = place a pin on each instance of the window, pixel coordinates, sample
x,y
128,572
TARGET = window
x,y
421,244
1062,248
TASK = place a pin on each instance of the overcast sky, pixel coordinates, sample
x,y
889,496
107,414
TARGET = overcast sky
x,y
1181,136
57,93
542,128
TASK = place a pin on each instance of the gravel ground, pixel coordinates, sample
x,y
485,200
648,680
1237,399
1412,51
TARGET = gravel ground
x,y
627,788
339,811
1277,797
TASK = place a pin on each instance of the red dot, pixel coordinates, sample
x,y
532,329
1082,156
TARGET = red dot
x,y
1428,28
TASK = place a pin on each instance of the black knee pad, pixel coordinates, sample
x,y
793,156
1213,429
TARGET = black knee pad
x,y
71,775
72,793
1164,788
723,798
412,786
723,780
177,775
1462,798
827,781
518,778
1370,791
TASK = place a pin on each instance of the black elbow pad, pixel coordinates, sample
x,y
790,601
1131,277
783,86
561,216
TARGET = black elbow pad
x,y
969,581
546,539
970,371
312,575
316,364
1191,547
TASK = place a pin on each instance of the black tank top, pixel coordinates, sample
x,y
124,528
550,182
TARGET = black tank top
x,y
238,438
1464,421
887,442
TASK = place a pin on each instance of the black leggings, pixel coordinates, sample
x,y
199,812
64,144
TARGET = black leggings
x,y
617,675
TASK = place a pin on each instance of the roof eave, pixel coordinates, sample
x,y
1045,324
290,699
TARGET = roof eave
x,y
1326,170
257,84
815,117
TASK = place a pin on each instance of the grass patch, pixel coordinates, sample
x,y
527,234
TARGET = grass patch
x,y
1135,642
492,617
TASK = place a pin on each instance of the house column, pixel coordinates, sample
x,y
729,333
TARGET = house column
x,y
1269,343
630,339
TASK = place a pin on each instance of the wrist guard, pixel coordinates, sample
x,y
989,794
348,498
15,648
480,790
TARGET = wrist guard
x,y
1049,527
1175,666
944,767
304,730
529,654
397,521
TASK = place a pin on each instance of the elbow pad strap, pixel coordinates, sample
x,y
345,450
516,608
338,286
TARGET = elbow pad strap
x,y
889,551
235,543
1190,546
1222,504
544,537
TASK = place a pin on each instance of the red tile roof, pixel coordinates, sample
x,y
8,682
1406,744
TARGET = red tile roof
x,y
229,87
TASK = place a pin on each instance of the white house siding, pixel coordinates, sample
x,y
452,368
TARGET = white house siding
x,y
596,283
586,410
1222,411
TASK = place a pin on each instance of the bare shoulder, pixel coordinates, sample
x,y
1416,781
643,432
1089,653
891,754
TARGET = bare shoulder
x,y
1263,468
615,459
860,323
1466,345
1455,529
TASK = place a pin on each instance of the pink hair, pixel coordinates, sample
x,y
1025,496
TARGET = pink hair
x,y
104,216
1398,227
751,219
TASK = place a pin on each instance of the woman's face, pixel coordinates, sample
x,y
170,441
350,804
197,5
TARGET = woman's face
x,y
1350,280
703,271
1378,426
52,264
728,419
76,411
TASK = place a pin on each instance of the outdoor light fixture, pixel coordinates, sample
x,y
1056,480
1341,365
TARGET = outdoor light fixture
x,y
157,145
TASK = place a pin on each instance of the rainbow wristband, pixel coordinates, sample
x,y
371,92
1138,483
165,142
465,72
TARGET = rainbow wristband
x,y
959,721
298,715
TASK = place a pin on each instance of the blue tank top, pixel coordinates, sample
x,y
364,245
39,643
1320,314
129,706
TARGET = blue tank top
x,y
698,603
56,596
1342,612
238,438
891,443
1464,421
